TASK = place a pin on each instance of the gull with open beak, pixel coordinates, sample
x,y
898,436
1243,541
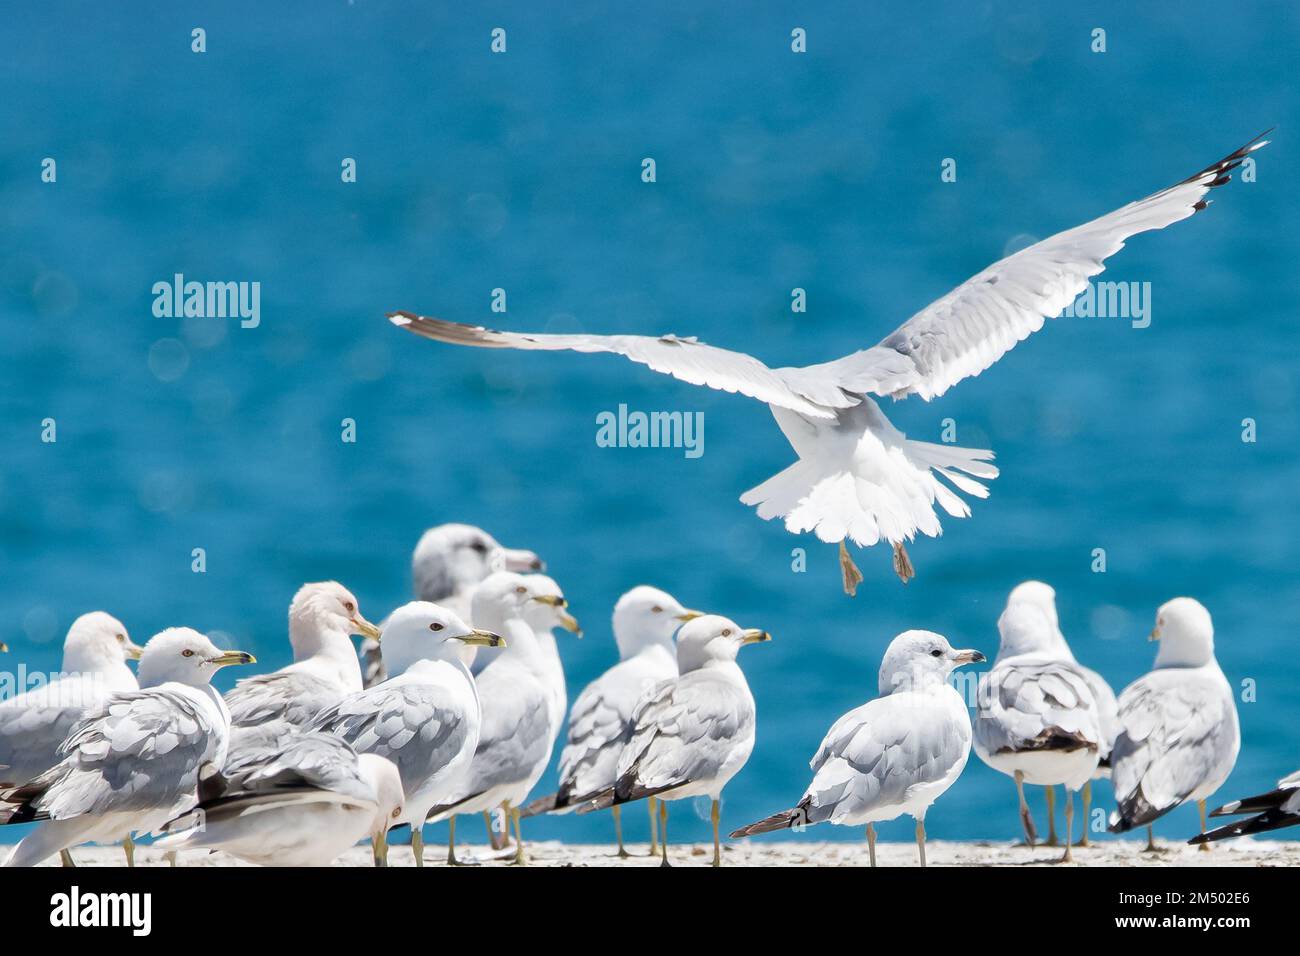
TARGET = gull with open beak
x,y
691,734
426,717
133,762
893,755
645,621
1180,736
322,617
519,722
34,724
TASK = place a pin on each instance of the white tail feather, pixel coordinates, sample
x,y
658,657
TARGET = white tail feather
x,y
836,504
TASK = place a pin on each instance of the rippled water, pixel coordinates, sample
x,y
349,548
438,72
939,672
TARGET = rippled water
x,y
522,172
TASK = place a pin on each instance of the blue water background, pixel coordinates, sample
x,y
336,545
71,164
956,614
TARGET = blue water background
x,y
522,171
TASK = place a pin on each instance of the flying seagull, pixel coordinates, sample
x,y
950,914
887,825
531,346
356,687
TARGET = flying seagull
x,y
858,477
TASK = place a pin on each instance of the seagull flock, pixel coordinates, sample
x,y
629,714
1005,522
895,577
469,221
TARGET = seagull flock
x,y
294,767
456,701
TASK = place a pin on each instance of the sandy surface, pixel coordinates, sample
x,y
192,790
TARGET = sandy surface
x,y
758,853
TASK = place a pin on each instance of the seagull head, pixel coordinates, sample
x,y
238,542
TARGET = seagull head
x,y
919,660
1185,632
646,616
323,609
548,608
183,655
1042,596
381,775
712,637
97,640
453,558
1024,629
423,631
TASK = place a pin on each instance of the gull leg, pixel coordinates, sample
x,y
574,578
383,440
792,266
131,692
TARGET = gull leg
x,y
871,844
1087,820
66,858
128,847
1051,817
654,826
1151,841
1200,805
1069,824
920,837
451,842
520,859
852,576
171,858
379,850
618,832
902,563
717,848
663,832
1027,821
417,844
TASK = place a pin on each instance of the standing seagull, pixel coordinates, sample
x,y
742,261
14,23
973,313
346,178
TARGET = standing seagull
x,y
34,724
447,565
645,620
690,735
516,737
1272,811
322,617
1180,736
426,717
1043,596
133,763
895,754
857,477
301,800
1037,719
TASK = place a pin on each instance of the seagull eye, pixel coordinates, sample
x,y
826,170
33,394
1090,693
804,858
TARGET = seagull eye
x,y
479,547
726,632
187,653
121,638
936,653
349,607
397,812
657,609
521,590
435,626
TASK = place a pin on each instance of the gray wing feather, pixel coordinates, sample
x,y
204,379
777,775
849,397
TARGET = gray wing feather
x,y
414,725
141,750
1024,705
685,730
33,725
875,754
1177,731
293,697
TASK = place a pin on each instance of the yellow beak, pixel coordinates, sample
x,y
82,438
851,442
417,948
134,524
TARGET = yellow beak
x,y
364,628
754,635
3,647
233,657
1155,634
570,624
688,616
132,650
484,639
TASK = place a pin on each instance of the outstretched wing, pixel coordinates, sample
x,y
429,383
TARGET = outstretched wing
x,y
975,324
684,358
